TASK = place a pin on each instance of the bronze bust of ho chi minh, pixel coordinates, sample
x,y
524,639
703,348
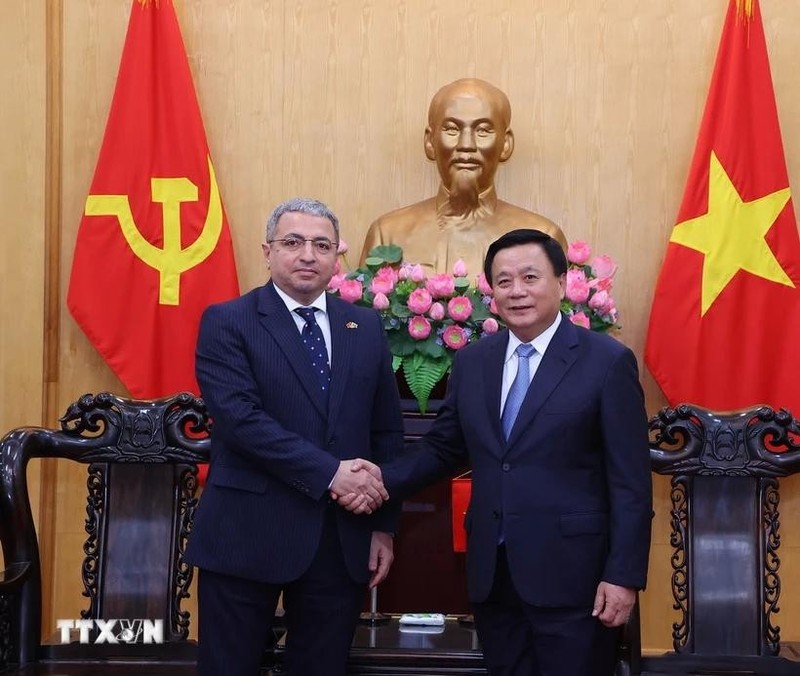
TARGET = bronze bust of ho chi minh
x,y
468,136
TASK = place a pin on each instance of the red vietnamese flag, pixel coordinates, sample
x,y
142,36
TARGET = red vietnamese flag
x,y
725,322
153,247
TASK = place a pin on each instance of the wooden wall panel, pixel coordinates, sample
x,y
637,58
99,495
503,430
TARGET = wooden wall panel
x,y
93,35
23,79
22,218
329,98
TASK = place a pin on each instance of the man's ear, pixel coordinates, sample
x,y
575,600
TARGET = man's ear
x,y
508,145
430,153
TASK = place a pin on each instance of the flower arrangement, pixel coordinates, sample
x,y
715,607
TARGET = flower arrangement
x,y
427,319
587,299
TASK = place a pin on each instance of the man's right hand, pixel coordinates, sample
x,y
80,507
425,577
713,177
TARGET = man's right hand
x,y
358,486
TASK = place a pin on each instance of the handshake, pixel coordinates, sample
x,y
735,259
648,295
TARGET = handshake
x,y
358,486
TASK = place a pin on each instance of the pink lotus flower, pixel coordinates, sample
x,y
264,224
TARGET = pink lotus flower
x,y
601,302
454,337
441,285
459,308
380,301
351,290
436,312
490,325
336,281
577,288
343,248
578,252
601,283
603,266
459,268
384,280
483,285
419,301
416,273
580,319
419,328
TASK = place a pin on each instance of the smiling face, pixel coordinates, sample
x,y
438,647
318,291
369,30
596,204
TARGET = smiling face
x,y
303,274
527,292
468,134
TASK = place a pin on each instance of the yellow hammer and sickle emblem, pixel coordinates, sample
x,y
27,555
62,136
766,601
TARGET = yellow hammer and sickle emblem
x,y
172,260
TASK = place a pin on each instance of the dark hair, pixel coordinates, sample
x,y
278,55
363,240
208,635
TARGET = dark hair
x,y
552,249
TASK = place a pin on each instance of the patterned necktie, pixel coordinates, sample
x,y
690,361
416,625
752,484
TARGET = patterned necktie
x,y
518,388
315,344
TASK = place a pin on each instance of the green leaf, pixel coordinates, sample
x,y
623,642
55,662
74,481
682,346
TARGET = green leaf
x,y
399,310
397,362
401,343
373,261
430,348
422,373
389,253
480,312
461,283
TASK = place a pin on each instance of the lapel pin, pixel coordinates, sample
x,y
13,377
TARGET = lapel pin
x,y
351,325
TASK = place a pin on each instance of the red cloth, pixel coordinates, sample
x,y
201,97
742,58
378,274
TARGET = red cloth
x,y
461,490
153,247
725,321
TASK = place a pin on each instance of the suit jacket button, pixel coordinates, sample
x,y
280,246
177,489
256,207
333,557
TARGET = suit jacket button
x,y
506,467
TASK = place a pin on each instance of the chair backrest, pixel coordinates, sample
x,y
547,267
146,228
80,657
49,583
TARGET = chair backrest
x,y
142,478
725,523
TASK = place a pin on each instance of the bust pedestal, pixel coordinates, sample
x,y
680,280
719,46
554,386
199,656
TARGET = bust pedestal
x,y
427,575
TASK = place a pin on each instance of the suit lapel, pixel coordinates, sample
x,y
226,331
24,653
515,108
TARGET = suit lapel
x,y
558,359
276,319
493,377
343,334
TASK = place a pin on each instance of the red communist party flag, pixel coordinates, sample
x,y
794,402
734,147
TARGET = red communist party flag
x,y
725,322
153,248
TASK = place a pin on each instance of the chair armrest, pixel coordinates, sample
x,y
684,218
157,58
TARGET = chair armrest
x,y
13,576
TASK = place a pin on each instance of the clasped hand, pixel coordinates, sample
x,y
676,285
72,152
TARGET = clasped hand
x,y
358,486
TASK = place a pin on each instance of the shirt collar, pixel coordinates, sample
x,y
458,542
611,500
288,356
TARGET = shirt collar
x,y
540,342
319,303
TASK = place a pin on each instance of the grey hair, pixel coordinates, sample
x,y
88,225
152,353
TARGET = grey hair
x,y
300,205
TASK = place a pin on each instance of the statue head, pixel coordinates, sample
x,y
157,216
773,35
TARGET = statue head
x,y
468,135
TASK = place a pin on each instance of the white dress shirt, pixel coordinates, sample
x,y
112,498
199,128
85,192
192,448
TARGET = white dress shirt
x,y
511,362
320,306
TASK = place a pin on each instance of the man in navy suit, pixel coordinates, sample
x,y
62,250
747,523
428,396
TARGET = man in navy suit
x,y
551,419
298,383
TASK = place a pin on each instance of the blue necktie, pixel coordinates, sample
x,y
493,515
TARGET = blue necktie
x,y
315,344
519,388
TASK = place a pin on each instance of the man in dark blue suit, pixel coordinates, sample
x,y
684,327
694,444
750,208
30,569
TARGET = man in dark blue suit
x,y
298,383
551,419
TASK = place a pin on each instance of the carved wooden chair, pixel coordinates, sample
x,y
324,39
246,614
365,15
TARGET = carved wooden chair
x,y
725,539
142,466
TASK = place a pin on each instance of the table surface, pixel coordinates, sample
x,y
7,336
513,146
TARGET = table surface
x,y
453,637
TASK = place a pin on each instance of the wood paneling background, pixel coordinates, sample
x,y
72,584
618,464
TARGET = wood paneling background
x,y
329,98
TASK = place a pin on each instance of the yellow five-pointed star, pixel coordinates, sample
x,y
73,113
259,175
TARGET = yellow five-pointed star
x,y
731,235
